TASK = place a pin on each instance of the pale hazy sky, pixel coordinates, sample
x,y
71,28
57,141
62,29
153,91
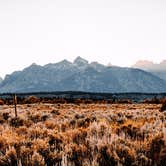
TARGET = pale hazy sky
x,y
115,31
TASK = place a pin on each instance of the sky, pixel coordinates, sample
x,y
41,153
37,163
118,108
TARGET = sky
x,y
119,32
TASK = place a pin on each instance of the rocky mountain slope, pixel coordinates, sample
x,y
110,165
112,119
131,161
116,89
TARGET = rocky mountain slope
x,y
81,76
1,79
156,69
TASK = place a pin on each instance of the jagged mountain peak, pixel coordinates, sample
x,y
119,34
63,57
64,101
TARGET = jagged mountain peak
x,y
95,63
149,65
80,61
163,62
62,64
97,66
158,69
34,64
143,63
65,61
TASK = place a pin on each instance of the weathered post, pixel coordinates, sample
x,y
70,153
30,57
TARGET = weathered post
x,y
15,104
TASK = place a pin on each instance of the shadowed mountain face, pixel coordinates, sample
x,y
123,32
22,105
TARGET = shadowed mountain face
x,y
81,76
156,69
1,79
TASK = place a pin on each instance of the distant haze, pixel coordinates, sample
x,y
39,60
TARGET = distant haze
x,y
108,31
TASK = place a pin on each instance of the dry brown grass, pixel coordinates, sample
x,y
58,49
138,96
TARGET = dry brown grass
x,y
83,134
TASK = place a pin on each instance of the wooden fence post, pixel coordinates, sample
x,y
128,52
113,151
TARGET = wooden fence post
x,y
15,104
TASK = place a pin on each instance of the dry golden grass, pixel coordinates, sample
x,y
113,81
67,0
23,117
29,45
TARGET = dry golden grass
x,y
83,134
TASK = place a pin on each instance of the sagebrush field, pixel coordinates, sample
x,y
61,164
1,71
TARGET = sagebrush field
x,y
83,134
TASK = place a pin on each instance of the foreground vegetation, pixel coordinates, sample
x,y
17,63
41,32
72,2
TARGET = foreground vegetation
x,y
83,134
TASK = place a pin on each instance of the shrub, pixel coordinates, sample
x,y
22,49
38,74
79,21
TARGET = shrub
x,y
2,120
37,132
16,122
107,156
63,127
50,124
79,116
3,144
37,159
53,158
83,122
162,159
1,102
129,130
125,153
55,112
154,100
35,117
10,158
79,136
44,117
55,142
72,123
156,146
26,155
22,130
31,100
77,154
6,115
125,101
163,107
142,160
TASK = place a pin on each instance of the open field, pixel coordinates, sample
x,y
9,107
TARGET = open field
x,y
83,134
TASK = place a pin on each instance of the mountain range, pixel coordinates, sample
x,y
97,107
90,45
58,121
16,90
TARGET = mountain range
x,y
82,76
158,69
